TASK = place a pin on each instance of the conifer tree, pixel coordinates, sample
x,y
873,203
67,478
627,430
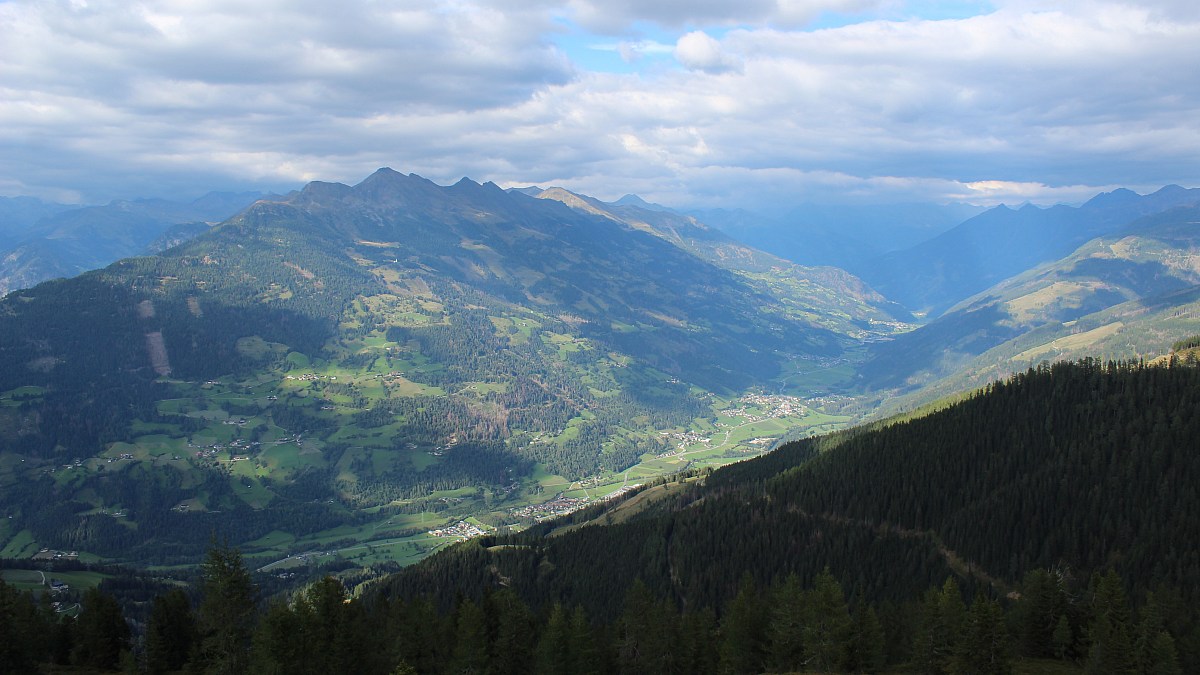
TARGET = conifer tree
x,y
983,644
827,626
1042,604
170,632
512,649
586,658
226,616
786,629
470,655
1062,640
646,633
333,623
553,655
20,627
1155,647
1111,651
101,632
938,628
698,652
743,631
280,641
420,635
865,649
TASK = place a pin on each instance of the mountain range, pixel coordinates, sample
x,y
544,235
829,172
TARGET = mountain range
x,y
41,241
1131,292
351,376
396,350
934,275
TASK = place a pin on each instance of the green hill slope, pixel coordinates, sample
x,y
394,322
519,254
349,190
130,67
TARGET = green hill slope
x,y
1119,296
388,358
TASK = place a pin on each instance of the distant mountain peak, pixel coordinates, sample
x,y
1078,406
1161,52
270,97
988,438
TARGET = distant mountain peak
x,y
634,200
389,176
575,201
1170,191
469,186
1107,199
318,190
390,187
384,172
531,190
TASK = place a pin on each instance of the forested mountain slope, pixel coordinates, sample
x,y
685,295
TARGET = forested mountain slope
x,y
1078,468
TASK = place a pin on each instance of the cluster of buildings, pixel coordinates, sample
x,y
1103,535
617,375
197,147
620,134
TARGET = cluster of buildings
x,y
310,377
685,438
462,529
559,506
51,554
620,491
769,406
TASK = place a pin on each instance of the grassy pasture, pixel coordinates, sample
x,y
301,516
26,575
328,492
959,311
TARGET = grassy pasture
x,y
19,545
382,370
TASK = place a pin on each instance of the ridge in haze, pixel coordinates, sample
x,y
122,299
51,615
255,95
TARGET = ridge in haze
x,y
932,276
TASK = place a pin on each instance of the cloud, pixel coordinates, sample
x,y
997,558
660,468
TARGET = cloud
x,y
122,99
632,51
618,16
698,51
153,80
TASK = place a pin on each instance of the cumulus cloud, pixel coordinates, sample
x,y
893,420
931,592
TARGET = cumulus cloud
x,y
699,51
118,99
160,79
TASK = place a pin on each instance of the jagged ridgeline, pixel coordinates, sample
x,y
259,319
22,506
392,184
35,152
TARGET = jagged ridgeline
x,y
347,347
1075,467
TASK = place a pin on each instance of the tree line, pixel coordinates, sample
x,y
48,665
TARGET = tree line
x,y
225,625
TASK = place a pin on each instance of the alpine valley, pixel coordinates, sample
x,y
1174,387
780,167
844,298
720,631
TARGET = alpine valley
x,y
346,369
348,380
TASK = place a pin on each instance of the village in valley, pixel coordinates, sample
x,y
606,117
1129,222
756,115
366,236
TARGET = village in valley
x,y
562,505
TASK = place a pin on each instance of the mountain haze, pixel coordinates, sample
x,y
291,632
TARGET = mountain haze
x,y
65,241
851,308
1122,295
849,236
19,214
932,276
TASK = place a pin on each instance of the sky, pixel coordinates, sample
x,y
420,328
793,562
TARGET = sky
x,y
695,103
